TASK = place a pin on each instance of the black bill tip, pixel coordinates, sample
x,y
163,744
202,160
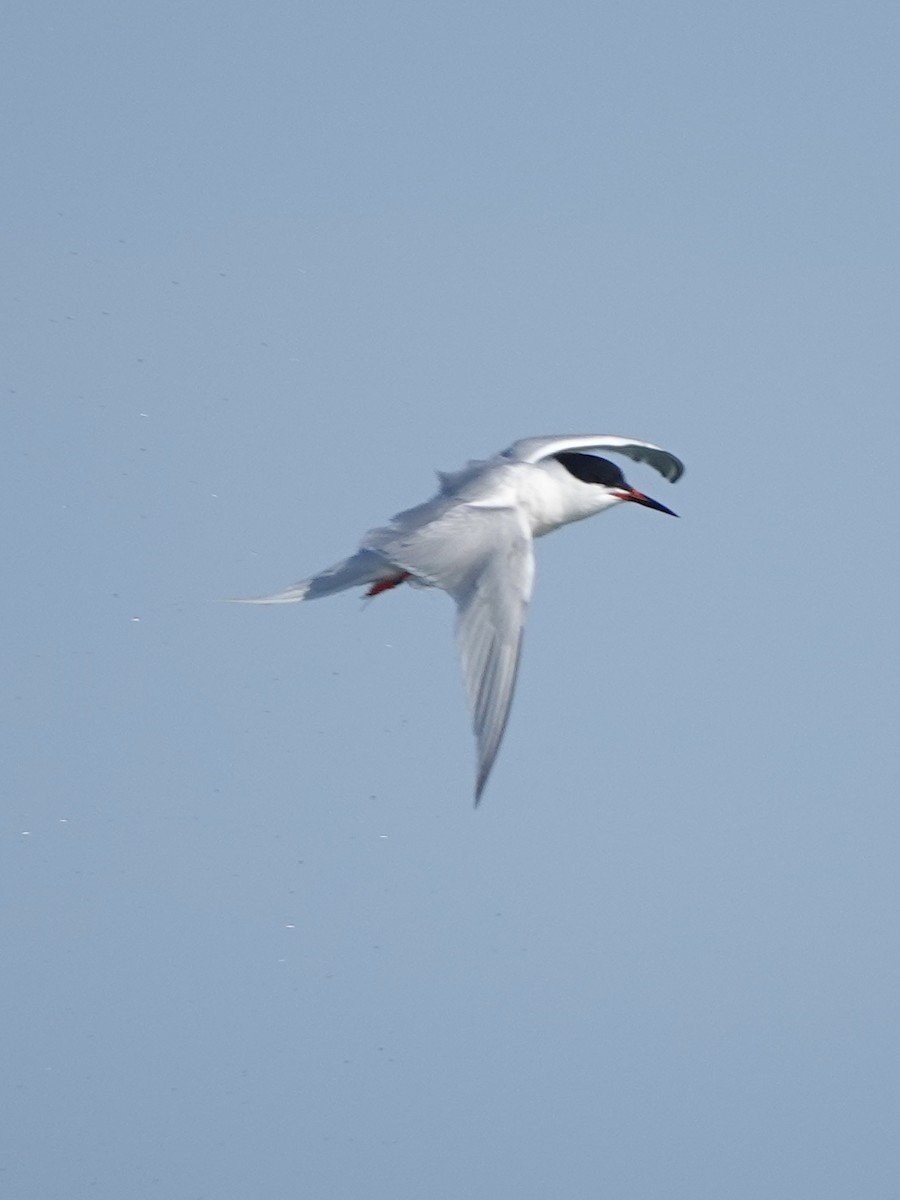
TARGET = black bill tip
x,y
647,501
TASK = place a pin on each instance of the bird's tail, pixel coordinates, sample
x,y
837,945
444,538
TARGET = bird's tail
x,y
361,568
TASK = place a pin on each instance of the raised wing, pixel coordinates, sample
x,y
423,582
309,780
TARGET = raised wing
x,y
483,557
532,450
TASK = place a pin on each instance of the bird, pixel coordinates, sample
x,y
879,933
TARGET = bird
x,y
475,540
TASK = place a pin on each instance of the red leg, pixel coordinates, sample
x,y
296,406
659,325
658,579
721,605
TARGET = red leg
x,y
385,585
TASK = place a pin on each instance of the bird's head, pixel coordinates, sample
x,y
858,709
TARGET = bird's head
x,y
608,479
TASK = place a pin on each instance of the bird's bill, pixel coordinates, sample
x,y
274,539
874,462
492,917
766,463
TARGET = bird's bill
x,y
640,498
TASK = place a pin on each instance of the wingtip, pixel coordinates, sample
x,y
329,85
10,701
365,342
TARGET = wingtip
x,y
480,785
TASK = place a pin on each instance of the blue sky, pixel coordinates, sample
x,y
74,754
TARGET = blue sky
x,y
265,269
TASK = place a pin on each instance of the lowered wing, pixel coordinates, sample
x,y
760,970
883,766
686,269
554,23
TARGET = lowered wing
x,y
482,556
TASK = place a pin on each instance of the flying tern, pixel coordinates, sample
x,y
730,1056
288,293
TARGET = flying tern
x,y
474,540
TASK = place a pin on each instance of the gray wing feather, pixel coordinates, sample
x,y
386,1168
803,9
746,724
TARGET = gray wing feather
x,y
489,627
483,557
532,450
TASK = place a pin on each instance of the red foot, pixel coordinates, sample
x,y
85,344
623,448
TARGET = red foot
x,y
385,585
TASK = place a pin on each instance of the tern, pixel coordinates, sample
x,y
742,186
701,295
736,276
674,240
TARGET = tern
x,y
474,540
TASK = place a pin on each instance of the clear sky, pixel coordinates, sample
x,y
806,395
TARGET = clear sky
x,y
265,267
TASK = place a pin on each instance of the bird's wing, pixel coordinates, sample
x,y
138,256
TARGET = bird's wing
x,y
483,557
532,450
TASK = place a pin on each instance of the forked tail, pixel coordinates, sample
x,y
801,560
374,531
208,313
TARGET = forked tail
x,y
362,568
